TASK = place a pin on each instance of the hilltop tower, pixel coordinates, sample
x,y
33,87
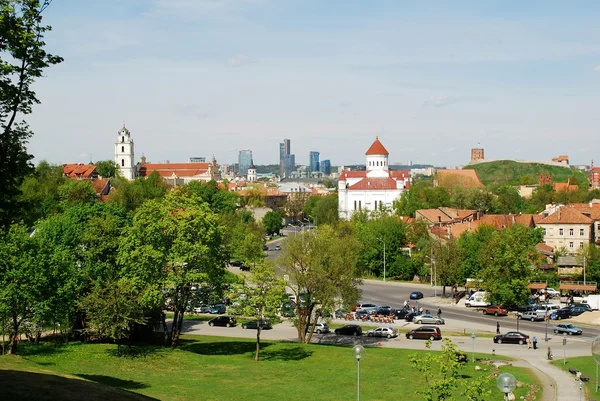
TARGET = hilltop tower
x,y
476,154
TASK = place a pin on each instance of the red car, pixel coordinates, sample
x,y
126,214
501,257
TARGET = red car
x,y
495,310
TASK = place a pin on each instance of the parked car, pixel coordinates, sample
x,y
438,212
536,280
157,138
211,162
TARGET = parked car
x,y
401,313
253,324
420,319
551,292
366,307
564,313
512,337
245,268
425,333
321,328
548,309
237,263
577,310
278,247
533,315
202,309
362,315
587,307
383,332
224,321
218,309
495,310
416,295
349,330
410,316
265,247
521,308
340,313
567,328
385,310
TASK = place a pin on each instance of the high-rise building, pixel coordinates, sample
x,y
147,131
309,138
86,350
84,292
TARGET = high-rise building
x,y
326,167
313,161
244,161
286,159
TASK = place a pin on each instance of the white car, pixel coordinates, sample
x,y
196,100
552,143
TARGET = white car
x,y
552,292
388,332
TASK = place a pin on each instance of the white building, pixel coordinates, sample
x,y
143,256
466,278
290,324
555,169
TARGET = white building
x,y
373,189
251,173
124,154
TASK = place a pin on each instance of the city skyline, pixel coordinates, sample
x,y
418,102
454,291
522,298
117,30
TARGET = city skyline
x,y
431,79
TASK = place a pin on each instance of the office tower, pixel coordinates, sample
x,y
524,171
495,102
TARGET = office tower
x,y
313,161
285,149
244,161
288,165
326,167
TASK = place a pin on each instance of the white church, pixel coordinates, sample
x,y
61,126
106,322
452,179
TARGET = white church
x,y
373,189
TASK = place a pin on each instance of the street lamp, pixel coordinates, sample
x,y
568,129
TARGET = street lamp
x,y
596,355
506,383
382,240
547,314
358,350
295,229
473,338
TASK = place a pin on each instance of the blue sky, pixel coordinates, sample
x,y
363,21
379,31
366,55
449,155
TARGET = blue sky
x,y
431,78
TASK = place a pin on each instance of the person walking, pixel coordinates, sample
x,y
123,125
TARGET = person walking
x,y
497,327
405,304
420,310
528,343
534,340
439,312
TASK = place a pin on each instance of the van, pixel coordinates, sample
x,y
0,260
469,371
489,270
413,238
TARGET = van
x,y
547,309
593,301
478,299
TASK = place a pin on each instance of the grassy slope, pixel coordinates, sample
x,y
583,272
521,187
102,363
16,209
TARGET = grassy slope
x,y
215,368
584,364
509,172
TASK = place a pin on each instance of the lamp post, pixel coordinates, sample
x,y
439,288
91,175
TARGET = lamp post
x,y
547,316
295,229
473,338
382,240
506,383
596,355
518,318
358,350
564,348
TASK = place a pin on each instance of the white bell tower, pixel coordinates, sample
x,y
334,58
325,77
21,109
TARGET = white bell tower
x,y
124,154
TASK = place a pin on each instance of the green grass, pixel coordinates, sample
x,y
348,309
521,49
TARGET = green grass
x,y
217,368
584,364
503,172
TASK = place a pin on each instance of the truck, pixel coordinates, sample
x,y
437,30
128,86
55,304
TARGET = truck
x,y
593,301
478,299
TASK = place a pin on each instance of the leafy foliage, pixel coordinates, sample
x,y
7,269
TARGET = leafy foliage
x,y
273,222
106,168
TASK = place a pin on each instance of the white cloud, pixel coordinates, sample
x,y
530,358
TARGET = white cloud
x,y
238,60
597,68
438,101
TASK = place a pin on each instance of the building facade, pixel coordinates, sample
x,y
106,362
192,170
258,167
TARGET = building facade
x,y
244,161
124,154
326,167
373,189
313,161
477,154
287,161
567,228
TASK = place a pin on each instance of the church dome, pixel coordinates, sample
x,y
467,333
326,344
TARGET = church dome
x,y
377,149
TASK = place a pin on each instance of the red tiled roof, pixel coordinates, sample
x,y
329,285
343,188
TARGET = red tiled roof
x,y
567,215
434,215
79,170
377,148
351,174
593,209
374,184
399,174
100,186
544,248
179,169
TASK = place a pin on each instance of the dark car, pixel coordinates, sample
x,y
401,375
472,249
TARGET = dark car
x,y
253,324
512,337
224,321
245,268
410,316
425,333
564,313
237,263
587,307
385,310
401,313
218,309
416,295
349,330
362,315
265,247
577,310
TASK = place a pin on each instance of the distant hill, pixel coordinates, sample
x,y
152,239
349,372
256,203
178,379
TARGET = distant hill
x,y
502,172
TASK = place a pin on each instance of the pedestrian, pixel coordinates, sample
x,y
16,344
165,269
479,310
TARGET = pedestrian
x,y
528,343
439,312
497,327
420,310
534,340
427,311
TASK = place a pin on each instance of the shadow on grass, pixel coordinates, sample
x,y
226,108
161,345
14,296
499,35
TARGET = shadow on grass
x,y
114,382
136,351
18,385
220,348
45,348
296,353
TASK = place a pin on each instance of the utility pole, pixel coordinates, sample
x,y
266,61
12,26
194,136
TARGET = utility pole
x,y
384,261
583,269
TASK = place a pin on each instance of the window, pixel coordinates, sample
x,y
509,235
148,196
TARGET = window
x,y
359,205
122,139
354,205
375,205
560,231
581,244
377,164
581,232
571,231
122,149
544,231
122,162
571,245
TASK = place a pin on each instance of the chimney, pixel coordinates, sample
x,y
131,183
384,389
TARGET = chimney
x,y
559,214
439,219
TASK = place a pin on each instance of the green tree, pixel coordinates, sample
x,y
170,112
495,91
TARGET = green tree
x,y
251,249
508,200
447,260
322,269
39,192
132,194
22,39
112,310
326,210
106,168
273,222
76,193
471,245
263,294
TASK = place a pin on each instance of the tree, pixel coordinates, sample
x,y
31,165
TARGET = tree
x,y
508,201
251,249
132,194
323,274
39,192
273,222
326,210
21,40
447,260
112,310
263,294
106,168
76,193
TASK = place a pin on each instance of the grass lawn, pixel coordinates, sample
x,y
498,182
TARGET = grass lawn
x,y
584,364
218,368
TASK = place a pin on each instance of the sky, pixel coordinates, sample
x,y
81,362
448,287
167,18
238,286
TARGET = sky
x,y
432,79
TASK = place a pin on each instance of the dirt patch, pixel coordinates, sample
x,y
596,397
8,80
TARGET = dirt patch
x,y
588,318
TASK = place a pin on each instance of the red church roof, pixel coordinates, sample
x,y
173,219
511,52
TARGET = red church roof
x,y
373,184
377,148
179,169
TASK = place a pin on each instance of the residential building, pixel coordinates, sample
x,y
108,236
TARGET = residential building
x,y
80,171
181,173
244,161
373,189
124,154
313,159
567,228
325,167
592,210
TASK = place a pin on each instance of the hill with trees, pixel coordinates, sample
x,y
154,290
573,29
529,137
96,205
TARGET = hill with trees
x,y
509,172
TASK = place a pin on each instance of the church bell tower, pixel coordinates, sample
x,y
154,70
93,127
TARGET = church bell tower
x,y
124,154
